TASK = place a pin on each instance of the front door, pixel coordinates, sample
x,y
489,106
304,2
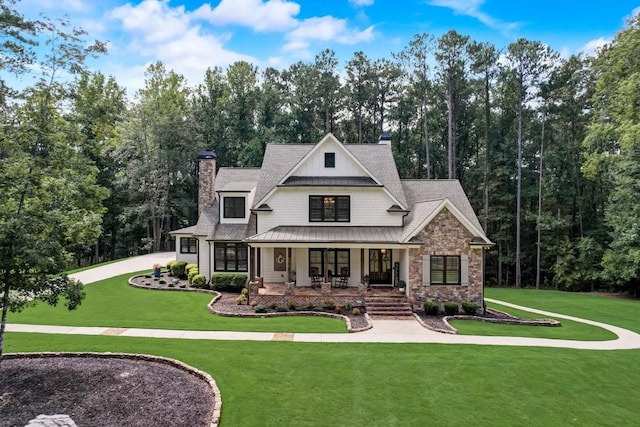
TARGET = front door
x,y
380,261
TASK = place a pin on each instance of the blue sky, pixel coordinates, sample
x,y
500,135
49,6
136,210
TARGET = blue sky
x,y
189,36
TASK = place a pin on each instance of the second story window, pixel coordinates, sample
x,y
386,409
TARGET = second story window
x,y
234,207
329,160
329,209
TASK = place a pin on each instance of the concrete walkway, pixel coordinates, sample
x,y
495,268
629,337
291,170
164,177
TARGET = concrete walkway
x,y
383,331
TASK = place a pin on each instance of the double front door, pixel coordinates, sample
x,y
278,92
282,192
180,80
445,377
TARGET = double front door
x,y
380,262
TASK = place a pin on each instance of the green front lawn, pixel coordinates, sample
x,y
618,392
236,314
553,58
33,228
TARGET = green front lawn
x,y
569,330
315,384
614,311
113,303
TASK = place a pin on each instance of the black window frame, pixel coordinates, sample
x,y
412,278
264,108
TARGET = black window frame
x,y
233,204
222,261
321,207
329,160
188,245
445,270
333,267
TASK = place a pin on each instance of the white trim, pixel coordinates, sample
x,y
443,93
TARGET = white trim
x,y
315,149
446,203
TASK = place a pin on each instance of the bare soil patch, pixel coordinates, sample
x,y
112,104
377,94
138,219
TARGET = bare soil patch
x,y
96,391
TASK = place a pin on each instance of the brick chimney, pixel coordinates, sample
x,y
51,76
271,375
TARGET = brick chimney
x,y
206,179
385,138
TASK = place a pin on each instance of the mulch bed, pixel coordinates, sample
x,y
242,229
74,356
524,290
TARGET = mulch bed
x,y
104,392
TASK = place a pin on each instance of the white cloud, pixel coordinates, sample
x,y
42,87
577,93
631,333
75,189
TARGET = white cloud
x,y
326,29
272,15
592,46
472,8
158,32
358,3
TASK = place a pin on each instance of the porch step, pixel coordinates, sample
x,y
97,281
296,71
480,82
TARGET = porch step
x,y
388,306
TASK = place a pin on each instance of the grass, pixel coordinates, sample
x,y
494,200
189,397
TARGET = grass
x,y
614,311
113,303
569,330
316,384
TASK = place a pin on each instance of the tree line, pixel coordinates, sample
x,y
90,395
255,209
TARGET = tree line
x,y
547,148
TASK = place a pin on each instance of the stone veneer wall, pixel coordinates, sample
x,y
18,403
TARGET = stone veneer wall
x,y
445,235
206,182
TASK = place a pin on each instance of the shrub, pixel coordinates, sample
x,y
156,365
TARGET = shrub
x,y
260,308
339,308
244,292
199,281
282,308
177,269
310,305
228,282
273,305
188,267
192,273
240,299
292,304
451,308
347,306
355,311
169,264
431,308
329,305
470,307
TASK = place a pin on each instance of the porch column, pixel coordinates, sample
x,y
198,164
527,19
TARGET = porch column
x,y
361,265
252,263
326,265
289,278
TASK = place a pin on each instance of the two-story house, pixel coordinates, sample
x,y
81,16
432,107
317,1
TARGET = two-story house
x,y
334,209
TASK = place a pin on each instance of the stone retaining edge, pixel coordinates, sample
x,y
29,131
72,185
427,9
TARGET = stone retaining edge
x,y
217,396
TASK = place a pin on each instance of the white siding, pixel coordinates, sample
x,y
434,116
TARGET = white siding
x,y
247,206
267,268
291,207
205,258
189,258
345,164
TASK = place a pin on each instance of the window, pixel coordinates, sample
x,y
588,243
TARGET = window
x,y
329,160
234,207
338,261
445,270
188,245
231,256
329,209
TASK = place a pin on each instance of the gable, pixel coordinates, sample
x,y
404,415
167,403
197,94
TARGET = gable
x,y
318,161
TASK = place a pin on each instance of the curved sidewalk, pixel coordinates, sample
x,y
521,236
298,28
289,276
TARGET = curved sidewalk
x,y
383,331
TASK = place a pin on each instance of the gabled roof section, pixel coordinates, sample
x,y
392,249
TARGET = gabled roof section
x,y
330,181
281,161
209,226
237,179
186,230
428,197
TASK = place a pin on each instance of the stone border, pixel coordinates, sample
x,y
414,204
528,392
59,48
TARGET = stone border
x,y
217,397
218,295
507,321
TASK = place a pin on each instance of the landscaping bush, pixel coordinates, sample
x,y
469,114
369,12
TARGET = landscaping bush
x,y
470,307
355,311
177,269
260,308
329,305
282,308
228,282
192,273
169,264
431,308
451,308
347,306
273,305
310,305
292,304
188,267
240,300
199,281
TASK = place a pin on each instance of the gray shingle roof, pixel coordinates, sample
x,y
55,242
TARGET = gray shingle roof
x,y
237,179
186,230
330,181
209,226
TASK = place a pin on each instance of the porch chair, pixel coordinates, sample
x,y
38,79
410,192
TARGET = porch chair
x,y
342,281
316,281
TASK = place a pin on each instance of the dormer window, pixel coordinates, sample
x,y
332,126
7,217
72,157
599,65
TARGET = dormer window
x,y
234,207
329,160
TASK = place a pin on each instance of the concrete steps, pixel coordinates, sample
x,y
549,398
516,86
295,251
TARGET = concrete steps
x,y
388,306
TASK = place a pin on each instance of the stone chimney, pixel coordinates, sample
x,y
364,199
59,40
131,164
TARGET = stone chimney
x,y
385,138
206,179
